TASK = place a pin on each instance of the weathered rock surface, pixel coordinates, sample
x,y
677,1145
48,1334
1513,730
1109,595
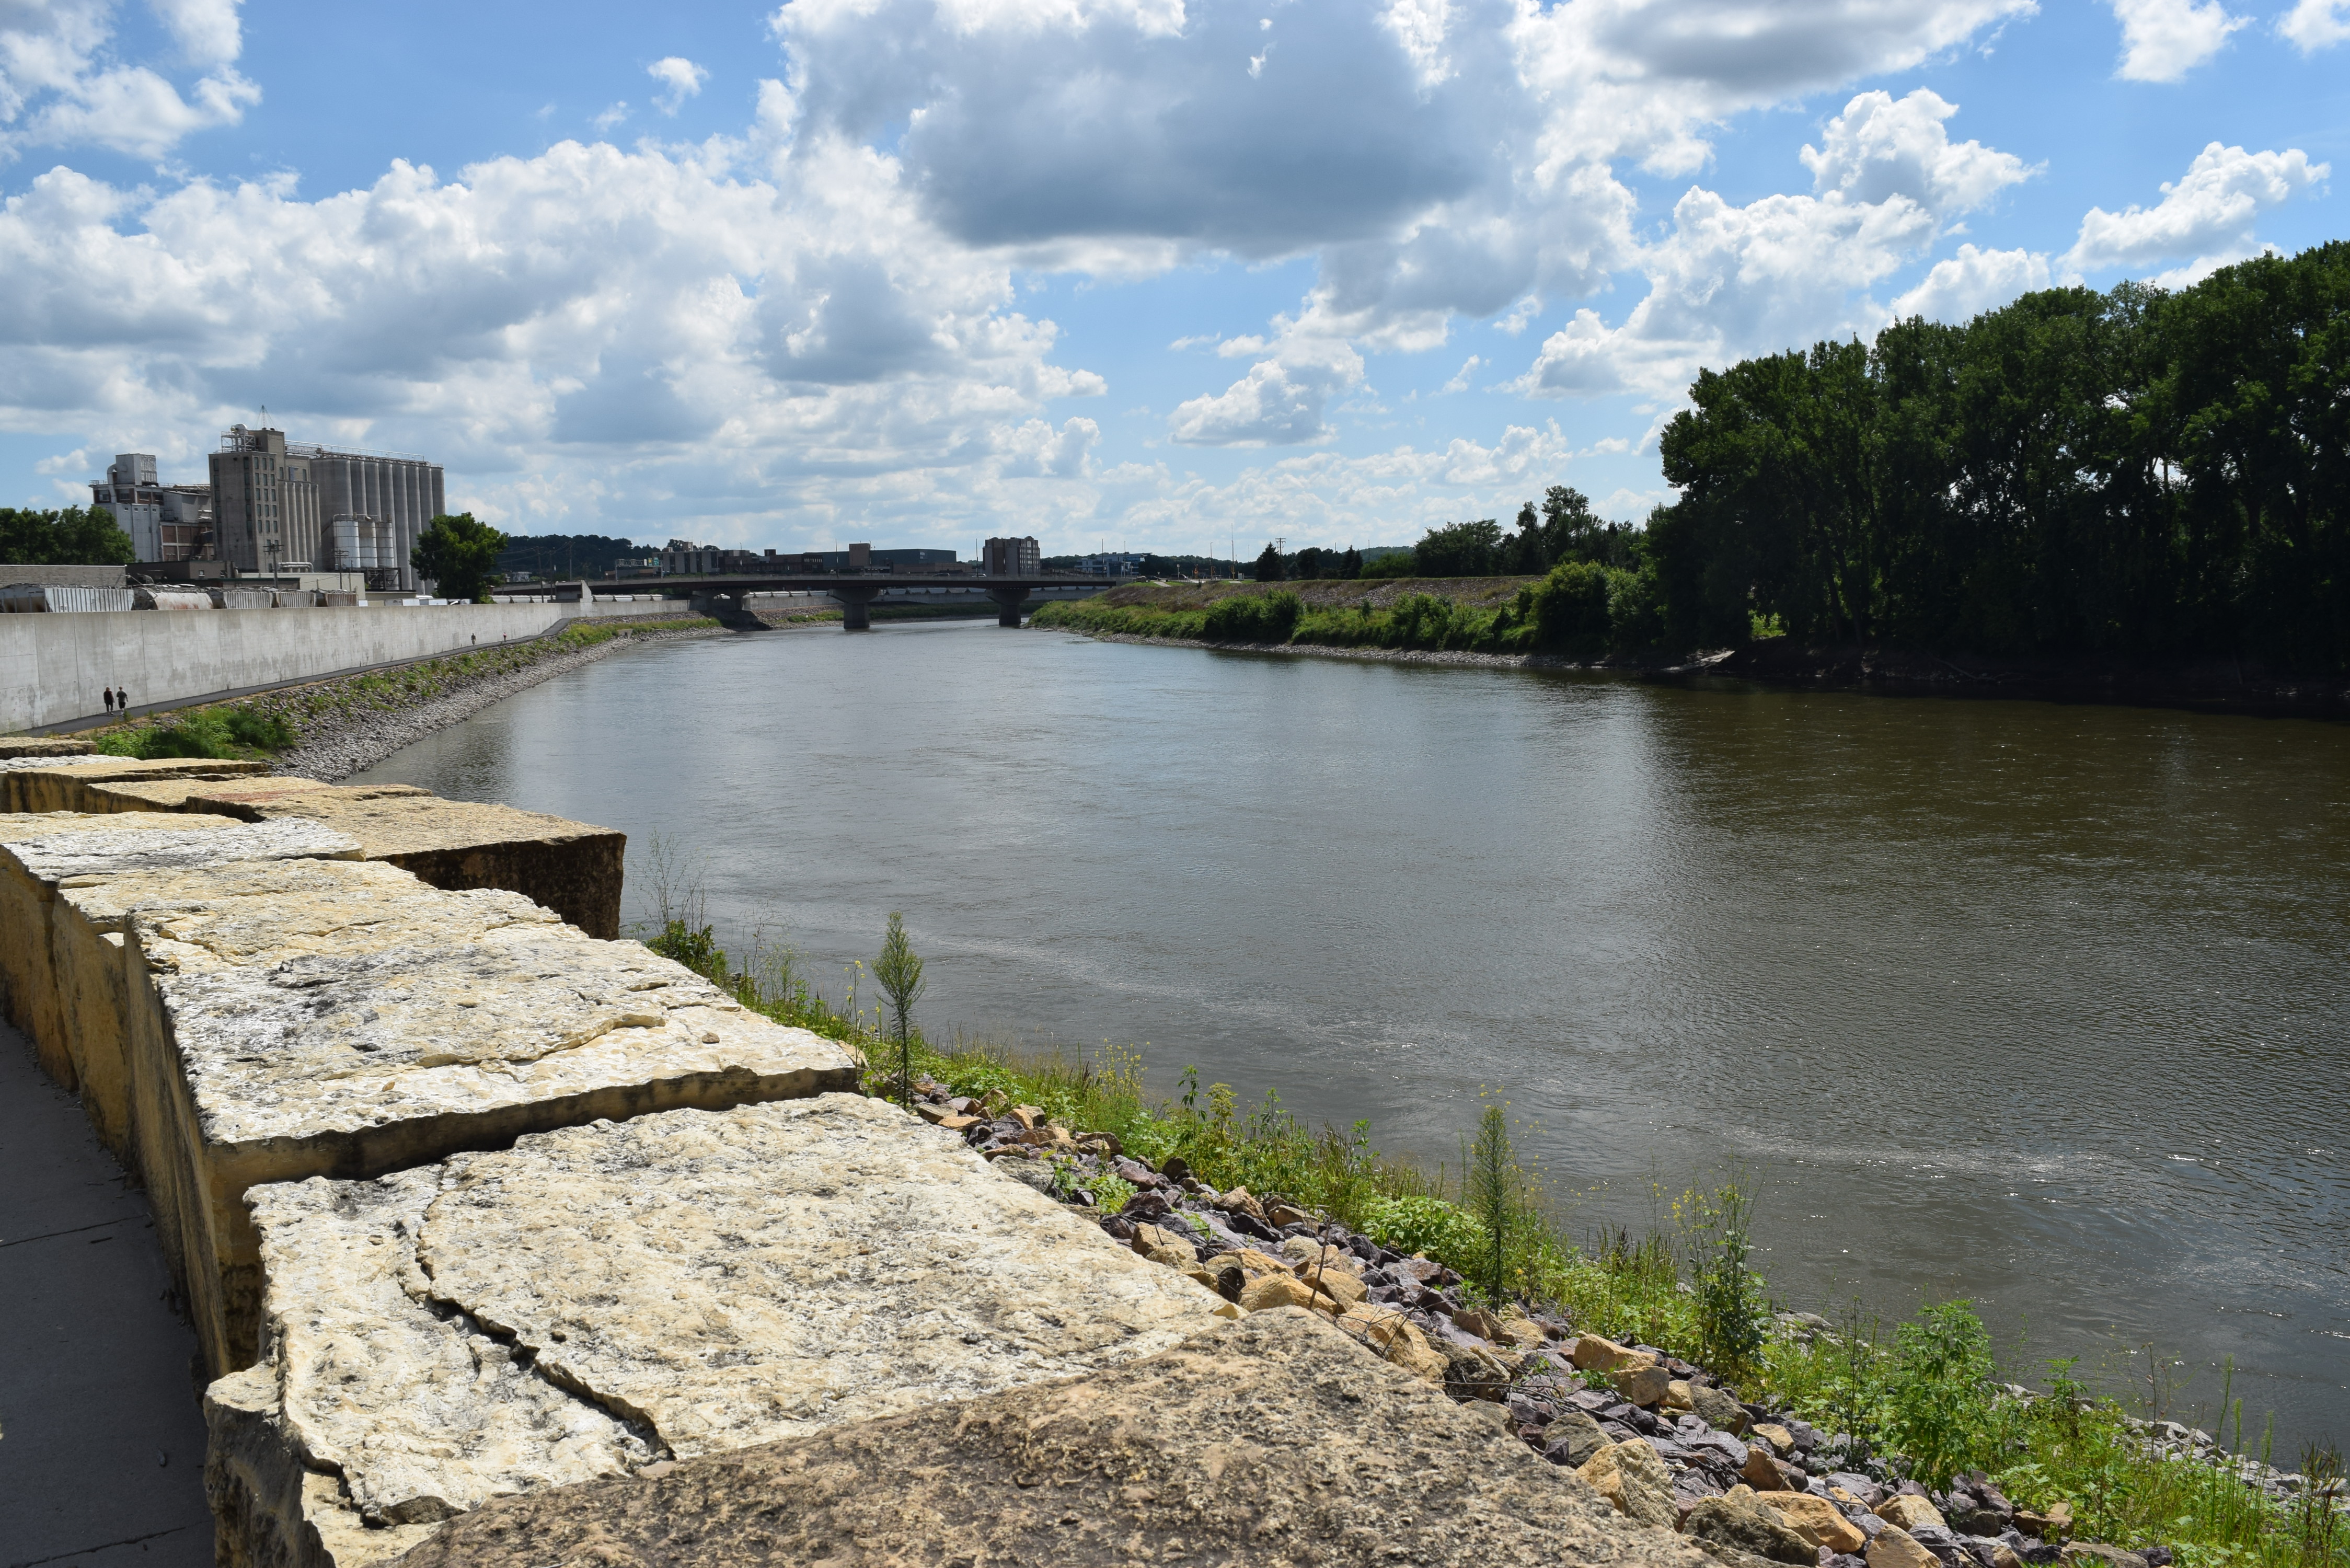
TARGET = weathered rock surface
x,y
569,867
1895,1548
219,797
682,1284
1718,1409
55,784
1272,1442
1909,1512
333,1018
18,746
1631,1477
41,853
1818,1521
1746,1525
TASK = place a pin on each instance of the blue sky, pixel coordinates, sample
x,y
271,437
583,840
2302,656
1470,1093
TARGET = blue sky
x,y
1158,273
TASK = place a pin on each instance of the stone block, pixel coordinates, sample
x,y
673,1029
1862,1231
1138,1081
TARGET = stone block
x,y
223,797
41,853
331,1018
608,1296
55,784
571,867
1272,1441
14,746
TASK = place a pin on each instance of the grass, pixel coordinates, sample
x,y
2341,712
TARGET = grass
x,y
1930,1393
262,726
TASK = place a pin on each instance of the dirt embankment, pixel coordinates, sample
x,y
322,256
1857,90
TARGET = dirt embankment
x,y
1365,593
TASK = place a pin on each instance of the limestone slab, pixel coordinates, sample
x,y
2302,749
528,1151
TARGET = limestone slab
x,y
223,797
14,746
344,1020
682,1284
40,851
1273,1442
571,867
55,784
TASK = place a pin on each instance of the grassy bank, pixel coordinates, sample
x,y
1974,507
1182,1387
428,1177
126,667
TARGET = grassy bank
x,y
263,725
1924,1399
1578,610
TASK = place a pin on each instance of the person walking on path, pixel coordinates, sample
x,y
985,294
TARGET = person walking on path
x,y
122,701
109,701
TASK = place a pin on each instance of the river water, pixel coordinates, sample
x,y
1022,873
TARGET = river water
x,y
2045,1005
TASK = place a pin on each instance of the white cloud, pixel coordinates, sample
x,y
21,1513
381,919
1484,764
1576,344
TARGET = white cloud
x,y
611,116
1784,271
1460,383
1332,499
1973,281
1280,402
2204,217
61,87
1879,148
2315,24
680,78
584,335
2162,40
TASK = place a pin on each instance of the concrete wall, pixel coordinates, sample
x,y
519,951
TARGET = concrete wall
x,y
55,668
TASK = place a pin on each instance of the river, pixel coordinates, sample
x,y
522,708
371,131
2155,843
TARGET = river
x,y
2045,1005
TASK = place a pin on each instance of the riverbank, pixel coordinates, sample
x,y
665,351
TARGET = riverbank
x,y
1760,1431
328,730
1491,622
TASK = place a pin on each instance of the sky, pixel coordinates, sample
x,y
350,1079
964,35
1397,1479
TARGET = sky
x,y
1170,274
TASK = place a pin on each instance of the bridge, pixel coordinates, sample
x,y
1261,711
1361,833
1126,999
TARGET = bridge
x,y
727,596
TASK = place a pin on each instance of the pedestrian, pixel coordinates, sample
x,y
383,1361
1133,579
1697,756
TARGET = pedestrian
x,y
109,701
122,700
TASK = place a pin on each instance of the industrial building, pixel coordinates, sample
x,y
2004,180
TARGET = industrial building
x,y
1011,558
165,522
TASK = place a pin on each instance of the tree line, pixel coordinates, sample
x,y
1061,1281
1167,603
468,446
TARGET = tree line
x,y
70,536
2134,473
2138,473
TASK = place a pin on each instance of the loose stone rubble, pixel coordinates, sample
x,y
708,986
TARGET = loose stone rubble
x,y
1270,1442
1657,1436
606,1296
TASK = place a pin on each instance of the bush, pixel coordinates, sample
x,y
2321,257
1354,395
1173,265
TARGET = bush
x,y
1569,609
1941,1408
1422,1224
1254,617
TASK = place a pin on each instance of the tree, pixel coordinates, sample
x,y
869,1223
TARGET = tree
x,y
76,537
1268,565
1351,567
459,554
1459,550
900,973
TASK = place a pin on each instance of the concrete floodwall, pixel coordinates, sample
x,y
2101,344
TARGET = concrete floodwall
x,y
54,669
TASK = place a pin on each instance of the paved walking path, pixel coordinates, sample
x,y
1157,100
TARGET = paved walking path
x,y
101,1439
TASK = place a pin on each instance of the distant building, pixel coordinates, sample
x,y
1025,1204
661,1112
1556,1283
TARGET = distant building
x,y
165,522
1011,558
1111,565
282,507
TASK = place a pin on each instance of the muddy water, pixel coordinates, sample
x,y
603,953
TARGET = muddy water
x,y
2046,1005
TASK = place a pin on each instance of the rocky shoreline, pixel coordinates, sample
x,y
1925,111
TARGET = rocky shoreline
x,y
368,735
1667,1442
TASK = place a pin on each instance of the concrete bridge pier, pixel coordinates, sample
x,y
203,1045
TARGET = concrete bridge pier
x,y
1008,601
856,601
730,610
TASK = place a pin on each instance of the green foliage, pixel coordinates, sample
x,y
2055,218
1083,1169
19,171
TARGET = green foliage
x,y
1461,550
1941,1408
2134,473
460,555
899,971
1252,617
1490,1187
75,536
1268,567
1419,1223
236,731
1403,562
1730,1308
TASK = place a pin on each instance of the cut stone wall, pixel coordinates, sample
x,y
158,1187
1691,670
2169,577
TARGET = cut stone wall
x,y
45,783
608,1297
